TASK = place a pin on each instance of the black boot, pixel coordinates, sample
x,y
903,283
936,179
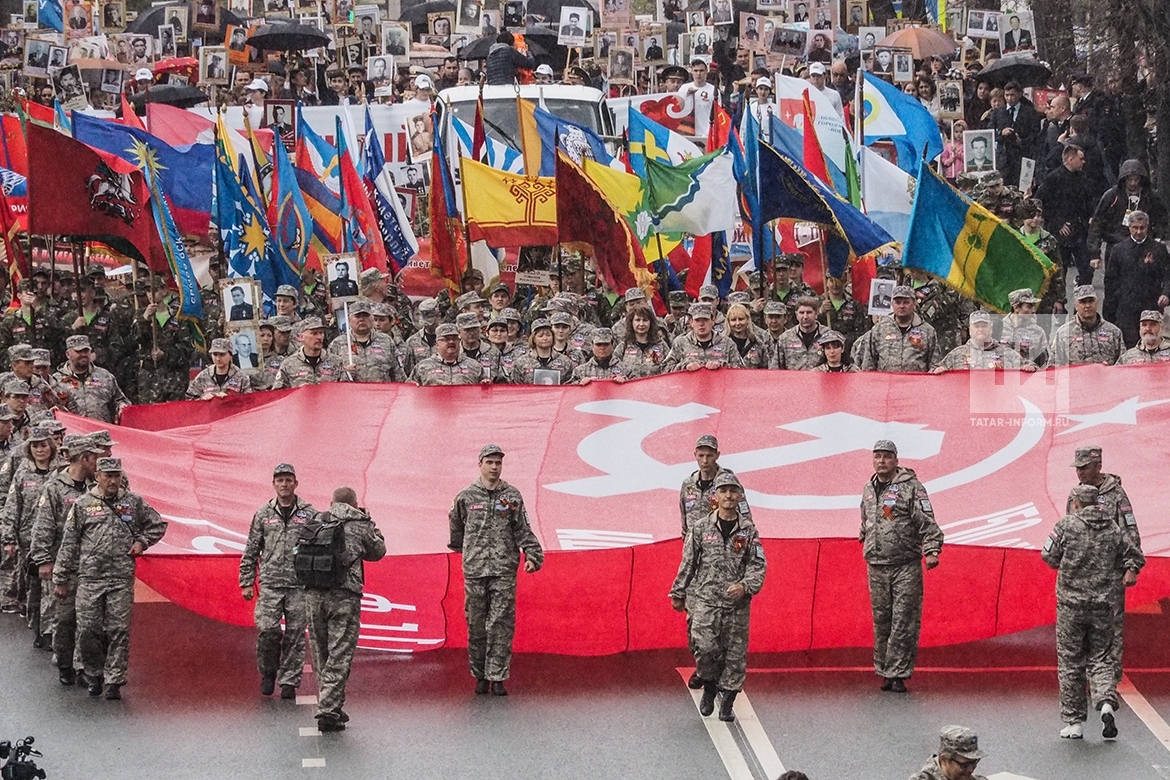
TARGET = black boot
x,y
498,688
482,687
96,685
696,682
267,685
707,703
66,675
725,705
897,685
288,692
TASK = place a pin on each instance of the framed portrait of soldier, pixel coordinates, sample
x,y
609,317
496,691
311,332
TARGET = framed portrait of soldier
x,y
112,80
396,39
856,15
903,67
468,15
141,49
31,11
351,53
978,151
820,46
242,300
772,6
36,57
441,25
280,116
869,37
408,199
621,65
113,17
489,23
982,24
245,344
380,70
573,27
176,17
751,35
603,41
722,12
206,15
166,41
950,99
421,136
883,62
630,41
786,42
238,50
213,65
1017,32
615,14
69,88
58,56
881,297
653,47
239,7
341,279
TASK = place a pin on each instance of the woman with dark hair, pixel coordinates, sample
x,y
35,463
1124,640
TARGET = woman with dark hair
x,y
28,477
755,353
643,346
835,359
927,93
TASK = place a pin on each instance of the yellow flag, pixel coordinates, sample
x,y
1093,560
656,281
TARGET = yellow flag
x,y
508,209
626,192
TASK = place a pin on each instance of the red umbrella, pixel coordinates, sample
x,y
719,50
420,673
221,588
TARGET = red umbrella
x,y
183,66
922,41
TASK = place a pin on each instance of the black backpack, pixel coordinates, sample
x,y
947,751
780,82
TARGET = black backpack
x,y
318,555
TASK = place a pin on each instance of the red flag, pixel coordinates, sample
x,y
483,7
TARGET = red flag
x,y
129,118
97,195
814,157
720,128
479,141
586,215
700,265
38,113
368,236
864,271
14,152
13,259
448,246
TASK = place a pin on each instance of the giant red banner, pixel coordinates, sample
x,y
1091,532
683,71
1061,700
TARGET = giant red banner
x,y
600,466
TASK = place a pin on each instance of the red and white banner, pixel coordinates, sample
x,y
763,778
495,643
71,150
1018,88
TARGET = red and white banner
x,y
600,467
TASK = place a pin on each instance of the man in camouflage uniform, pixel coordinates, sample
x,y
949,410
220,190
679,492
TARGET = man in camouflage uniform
x,y
274,532
789,286
97,323
1089,551
709,294
15,395
165,349
702,347
958,755
1117,508
447,366
31,324
902,341
472,346
696,497
897,532
490,527
942,307
677,321
365,354
1152,347
58,616
421,344
310,364
842,312
314,298
22,358
1001,200
335,614
775,323
212,305
1021,332
107,529
1086,337
722,567
601,365
797,348
982,351
286,303
124,314
221,378
86,389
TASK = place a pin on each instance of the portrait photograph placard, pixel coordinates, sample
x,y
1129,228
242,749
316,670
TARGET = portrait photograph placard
x,y
245,348
112,80
1017,32
978,151
621,65
573,27
950,99
903,67
380,70
341,278
468,16
280,116
213,65
176,17
242,301
869,37
36,57
881,297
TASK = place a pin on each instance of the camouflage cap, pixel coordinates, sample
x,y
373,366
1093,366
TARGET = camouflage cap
x,y
77,342
1090,453
602,336
371,276
727,479
1025,295
96,271
311,323
101,438
468,321
754,279
1083,292
54,425
41,357
701,311
903,291
428,307
17,387
540,323
446,330
739,296
959,741
71,442
222,346
283,468
1151,315
39,433
678,296
473,273
6,413
468,299
885,445
1085,495
20,352
561,318
557,304
991,179
708,292
979,315
282,323
501,287
829,337
361,306
109,464
25,285
635,294
288,291
707,440
490,449
775,307
511,315
497,322
794,258
382,310
781,261
966,180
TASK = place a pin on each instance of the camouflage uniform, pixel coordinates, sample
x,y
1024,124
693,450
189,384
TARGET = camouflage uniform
x,y
712,561
946,311
96,396
508,357
524,369
167,379
237,382
212,313
16,525
489,359
849,318
1004,205
796,290
271,539
58,614
687,349
98,534
1075,345
435,372
696,499
642,360
1089,551
376,360
971,356
889,348
41,397
756,352
592,370
335,614
792,354
103,335
490,528
296,371
1140,354
1026,337
419,347
39,329
897,530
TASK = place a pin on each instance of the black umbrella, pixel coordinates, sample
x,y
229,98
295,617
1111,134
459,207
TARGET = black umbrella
x,y
178,95
1022,68
288,36
417,14
149,21
478,49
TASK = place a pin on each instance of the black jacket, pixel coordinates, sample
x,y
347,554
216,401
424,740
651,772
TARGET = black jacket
x,y
502,62
1068,200
1021,143
1115,204
1135,276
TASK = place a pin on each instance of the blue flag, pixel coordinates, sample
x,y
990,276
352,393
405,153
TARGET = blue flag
x,y
393,223
51,15
893,115
190,302
243,226
290,222
577,140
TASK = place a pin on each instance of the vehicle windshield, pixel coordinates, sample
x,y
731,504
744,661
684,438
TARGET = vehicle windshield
x,y
502,124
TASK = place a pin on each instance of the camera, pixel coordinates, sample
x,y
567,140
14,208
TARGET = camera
x,y
18,764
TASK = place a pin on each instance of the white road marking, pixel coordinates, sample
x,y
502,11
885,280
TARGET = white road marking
x,y
309,731
734,760
306,700
1144,710
312,763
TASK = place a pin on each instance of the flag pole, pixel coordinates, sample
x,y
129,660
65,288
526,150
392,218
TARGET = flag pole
x,y
153,319
78,248
662,272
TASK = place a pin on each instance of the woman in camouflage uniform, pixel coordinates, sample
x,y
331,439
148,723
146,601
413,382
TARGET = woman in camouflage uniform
x,y
643,346
541,355
755,353
40,452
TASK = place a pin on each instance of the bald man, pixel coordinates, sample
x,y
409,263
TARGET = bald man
x,y
1055,132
